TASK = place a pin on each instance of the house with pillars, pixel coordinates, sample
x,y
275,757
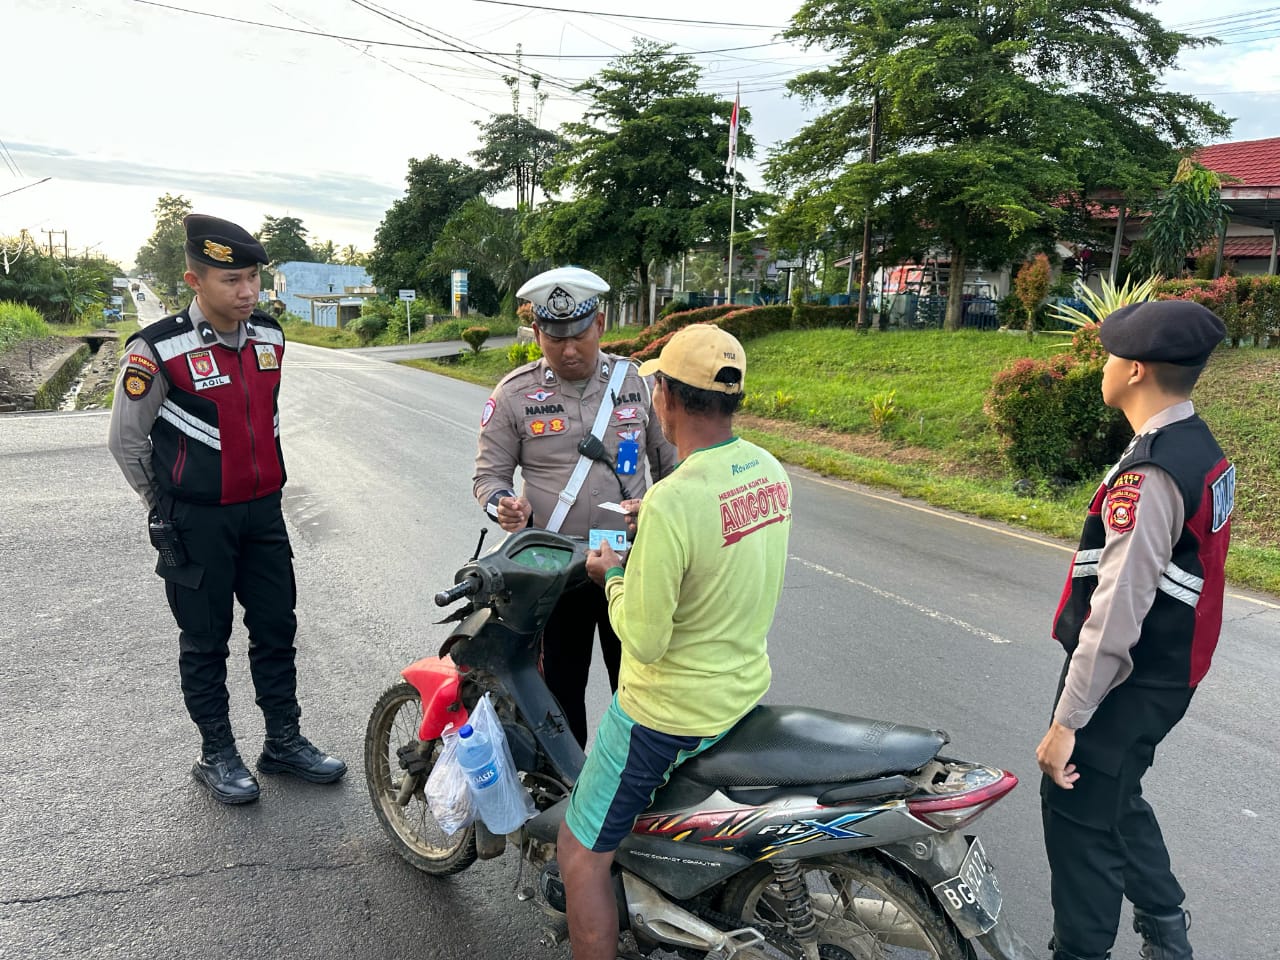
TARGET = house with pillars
x,y
1250,238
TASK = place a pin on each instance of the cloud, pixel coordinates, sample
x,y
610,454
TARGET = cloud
x,y
338,195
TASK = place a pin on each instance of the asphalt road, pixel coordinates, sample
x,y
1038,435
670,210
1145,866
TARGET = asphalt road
x,y
109,850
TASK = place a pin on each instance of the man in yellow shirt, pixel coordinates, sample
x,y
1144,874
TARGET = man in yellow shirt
x,y
692,611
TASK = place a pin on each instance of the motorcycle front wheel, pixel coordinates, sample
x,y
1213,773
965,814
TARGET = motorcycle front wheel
x,y
864,909
417,837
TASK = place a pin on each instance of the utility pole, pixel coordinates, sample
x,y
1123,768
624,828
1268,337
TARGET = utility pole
x,y
66,251
863,275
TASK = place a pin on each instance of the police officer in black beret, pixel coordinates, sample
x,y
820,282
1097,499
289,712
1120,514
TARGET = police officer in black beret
x,y
1139,619
196,430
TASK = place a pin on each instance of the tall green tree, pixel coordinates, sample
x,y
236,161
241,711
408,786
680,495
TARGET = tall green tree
x,y
163,255
489,241
994,117
352,257
285,240
515,151
646,167
436,190
324,252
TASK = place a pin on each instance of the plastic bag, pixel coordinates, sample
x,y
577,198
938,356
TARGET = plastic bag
x,y
505,804
447,792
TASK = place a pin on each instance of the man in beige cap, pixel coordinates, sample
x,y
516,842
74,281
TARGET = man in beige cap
x,y
692,609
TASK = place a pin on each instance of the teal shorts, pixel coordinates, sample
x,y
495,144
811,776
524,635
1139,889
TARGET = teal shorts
x,y
626,766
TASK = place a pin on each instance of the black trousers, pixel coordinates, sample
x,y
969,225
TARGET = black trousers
x,y
1102,838
237,552
566,651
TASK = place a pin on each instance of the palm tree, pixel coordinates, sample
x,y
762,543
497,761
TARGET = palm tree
x,y
490,241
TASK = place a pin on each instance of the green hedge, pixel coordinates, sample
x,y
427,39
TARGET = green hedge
x,y
1249,306
809,316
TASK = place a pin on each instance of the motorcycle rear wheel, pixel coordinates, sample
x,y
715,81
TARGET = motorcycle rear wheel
x,y
413,830
865,910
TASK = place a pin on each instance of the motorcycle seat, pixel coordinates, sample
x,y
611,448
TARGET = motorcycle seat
x,y
798,746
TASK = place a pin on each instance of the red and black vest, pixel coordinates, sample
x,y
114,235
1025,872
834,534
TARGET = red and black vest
x,y
1181,629
216,438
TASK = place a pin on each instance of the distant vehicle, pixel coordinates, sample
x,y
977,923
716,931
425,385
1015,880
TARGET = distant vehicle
x,y
141,295
134,288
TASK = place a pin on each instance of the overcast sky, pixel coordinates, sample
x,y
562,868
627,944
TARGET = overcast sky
x,y
120,101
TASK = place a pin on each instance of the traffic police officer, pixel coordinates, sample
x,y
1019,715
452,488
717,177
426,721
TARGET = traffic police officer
x,y
1139,618
196,430
576,422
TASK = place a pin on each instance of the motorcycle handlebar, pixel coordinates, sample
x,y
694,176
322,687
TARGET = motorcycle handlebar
x,y
457,591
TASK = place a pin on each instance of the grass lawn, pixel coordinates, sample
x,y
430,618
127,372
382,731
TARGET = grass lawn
x,y
809,402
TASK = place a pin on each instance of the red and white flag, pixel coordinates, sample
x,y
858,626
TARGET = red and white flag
x,y
733,135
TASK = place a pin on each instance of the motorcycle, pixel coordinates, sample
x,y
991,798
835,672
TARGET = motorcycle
x,y
801,834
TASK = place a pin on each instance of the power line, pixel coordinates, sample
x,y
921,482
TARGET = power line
x,y
407,73
633,16
9,160
419,46
457,44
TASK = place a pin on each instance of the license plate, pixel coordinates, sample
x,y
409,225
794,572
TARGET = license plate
x,y
972,897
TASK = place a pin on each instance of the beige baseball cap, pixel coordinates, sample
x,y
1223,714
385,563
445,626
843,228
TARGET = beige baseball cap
x,y
699,354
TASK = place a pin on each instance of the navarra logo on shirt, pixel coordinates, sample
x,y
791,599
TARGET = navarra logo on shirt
x,y
752,506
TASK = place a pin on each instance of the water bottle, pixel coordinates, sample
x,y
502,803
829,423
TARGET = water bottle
x,y
490,786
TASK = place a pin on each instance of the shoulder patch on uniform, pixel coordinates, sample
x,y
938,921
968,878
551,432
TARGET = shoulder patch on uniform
x,y
1224,497
1121,511
146,363
487,414
1129,479
137,383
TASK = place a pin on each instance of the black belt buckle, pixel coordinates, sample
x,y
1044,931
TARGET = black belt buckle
x,y
165,538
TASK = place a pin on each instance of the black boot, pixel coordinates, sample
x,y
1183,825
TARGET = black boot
x,y
286,750
220,768
1164,935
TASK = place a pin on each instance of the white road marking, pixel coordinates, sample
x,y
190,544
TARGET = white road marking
x,y
910,604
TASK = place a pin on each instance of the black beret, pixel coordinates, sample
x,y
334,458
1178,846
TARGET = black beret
x,y
1168,331
221,243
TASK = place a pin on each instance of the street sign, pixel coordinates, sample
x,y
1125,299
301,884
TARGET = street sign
x,y
408,295
459,282
120,282
117,301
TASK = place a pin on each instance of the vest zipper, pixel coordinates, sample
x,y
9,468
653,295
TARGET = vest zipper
x,y
248,419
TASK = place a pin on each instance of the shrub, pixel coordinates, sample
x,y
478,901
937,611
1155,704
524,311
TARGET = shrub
x,y
20,322
1262,305
810,316
884,410
368,327
748,322
475,338
518,354
1031,286
1051,417
1222,297
524,314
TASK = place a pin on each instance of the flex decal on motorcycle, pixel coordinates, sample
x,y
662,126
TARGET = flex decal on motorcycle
x,y
805,831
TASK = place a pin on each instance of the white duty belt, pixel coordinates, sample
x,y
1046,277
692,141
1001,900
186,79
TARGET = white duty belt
x,y
569,495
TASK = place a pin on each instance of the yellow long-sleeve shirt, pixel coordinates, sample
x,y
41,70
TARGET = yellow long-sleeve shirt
x,y
695,604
